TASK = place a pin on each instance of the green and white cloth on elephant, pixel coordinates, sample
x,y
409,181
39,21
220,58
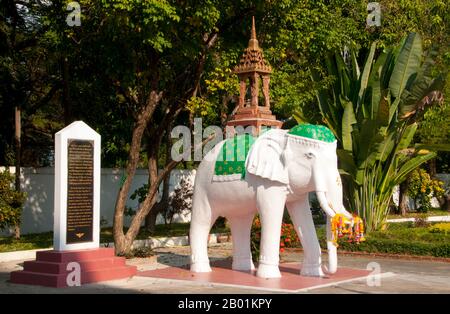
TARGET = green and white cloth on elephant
x,y
312,131
230,164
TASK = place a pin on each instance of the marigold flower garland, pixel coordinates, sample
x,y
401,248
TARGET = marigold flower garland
x,y
344,227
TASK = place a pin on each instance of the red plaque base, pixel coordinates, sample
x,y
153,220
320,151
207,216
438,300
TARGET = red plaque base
x,y
50,267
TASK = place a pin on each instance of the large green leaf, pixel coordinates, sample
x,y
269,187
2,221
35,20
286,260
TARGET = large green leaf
x,y
385,148
433,147
323,99
383,111
410,165
411,100
344,78
346,162
348,119
407,137
393,109
355,67
368,138
365,74
375,84
407,64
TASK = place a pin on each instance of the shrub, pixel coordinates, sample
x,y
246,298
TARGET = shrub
x,y
422,188
180,200
440,228
288,237
421,221
143,252
255,239
11,201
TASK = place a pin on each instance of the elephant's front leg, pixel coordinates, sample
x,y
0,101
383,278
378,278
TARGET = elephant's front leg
x,y
270,201
301,216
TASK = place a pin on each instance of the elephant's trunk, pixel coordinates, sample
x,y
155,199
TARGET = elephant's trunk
x,y
324,204
331,248
332,251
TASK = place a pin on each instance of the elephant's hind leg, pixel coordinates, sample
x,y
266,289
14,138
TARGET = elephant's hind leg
x,y
201,222
240,231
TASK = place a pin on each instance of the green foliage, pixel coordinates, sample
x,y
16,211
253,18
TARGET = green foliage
x,y
123,45
373,113
288,237
422,188
11,201
180,200
421,220
255,239
443,227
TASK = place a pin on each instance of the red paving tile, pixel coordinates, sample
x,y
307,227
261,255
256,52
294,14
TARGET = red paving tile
x,y
223,274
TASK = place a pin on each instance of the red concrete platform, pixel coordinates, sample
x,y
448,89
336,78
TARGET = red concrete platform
x,y
222,274
50,267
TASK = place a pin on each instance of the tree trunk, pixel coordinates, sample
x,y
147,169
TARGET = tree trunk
x,y
161,206
432,165
18,128
152,153
403,199
123,243
66,104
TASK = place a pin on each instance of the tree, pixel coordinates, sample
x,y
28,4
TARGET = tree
x,y
374,115
25,85
11,201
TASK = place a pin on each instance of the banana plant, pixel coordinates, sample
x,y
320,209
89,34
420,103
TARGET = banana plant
x,y
374,113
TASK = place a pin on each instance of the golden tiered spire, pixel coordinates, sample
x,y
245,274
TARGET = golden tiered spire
x,y
251,70
253,59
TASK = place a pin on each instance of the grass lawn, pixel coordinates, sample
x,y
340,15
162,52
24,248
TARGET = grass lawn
x,y
45,240
400,238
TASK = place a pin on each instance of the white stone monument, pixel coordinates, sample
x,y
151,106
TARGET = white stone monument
x,y
77,188
76,257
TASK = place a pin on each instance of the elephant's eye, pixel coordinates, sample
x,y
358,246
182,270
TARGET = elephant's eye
x,y
309,155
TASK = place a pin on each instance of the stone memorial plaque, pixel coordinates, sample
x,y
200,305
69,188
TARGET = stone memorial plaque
x,y
77,188
80,191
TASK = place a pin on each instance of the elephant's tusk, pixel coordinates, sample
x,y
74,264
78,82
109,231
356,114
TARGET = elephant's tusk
x,y
324,204
347,214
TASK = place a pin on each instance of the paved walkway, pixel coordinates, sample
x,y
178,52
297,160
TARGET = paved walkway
x,y
404,276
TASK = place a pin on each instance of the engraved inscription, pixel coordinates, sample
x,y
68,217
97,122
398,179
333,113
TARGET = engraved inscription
x,y
80,191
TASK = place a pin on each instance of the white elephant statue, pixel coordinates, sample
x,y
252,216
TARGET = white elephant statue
x,y
280,169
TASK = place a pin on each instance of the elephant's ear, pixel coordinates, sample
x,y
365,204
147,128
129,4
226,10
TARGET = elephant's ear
x,y
265,158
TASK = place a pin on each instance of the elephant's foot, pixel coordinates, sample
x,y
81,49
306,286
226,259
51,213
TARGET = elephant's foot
x,y
243,264
200,267
268,271
312,270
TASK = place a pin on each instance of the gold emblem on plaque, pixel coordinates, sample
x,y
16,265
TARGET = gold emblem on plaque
x,y
79,235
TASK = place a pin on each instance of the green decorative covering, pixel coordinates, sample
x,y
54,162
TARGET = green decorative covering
x,y
316,132
231,159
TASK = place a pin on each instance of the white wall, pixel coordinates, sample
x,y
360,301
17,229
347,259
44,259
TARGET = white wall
x,y
38,183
